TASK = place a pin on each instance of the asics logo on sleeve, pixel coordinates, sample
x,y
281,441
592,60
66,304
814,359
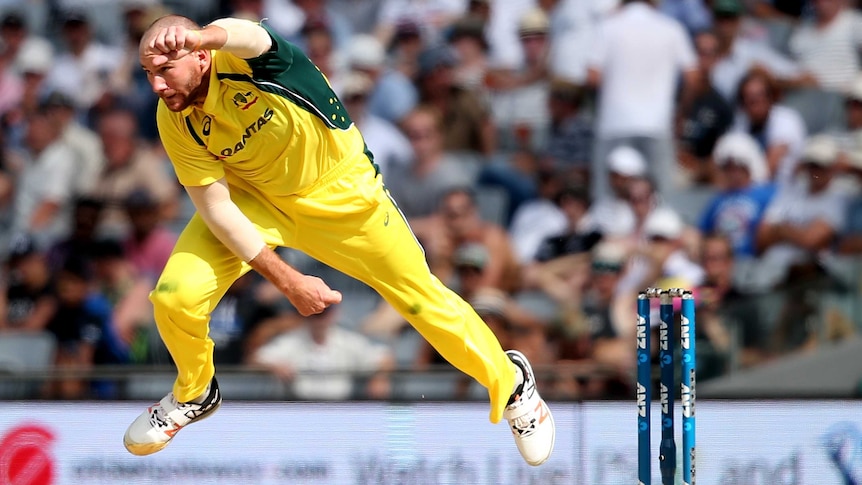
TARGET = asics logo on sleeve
x,y
250,131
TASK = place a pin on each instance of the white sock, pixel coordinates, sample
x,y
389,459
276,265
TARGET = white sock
x,y
200,399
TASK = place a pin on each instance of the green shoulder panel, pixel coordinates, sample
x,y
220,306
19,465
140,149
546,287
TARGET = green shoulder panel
x,y
286,71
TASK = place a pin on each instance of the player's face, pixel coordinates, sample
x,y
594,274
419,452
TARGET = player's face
x,y
179,82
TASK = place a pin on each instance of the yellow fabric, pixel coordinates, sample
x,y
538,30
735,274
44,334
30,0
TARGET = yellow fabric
x,y
297,168
347,221
254,136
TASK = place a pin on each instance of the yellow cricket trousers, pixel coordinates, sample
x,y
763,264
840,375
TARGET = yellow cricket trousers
x,y
348,221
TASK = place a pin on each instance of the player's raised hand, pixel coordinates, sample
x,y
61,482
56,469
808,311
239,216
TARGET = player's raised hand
x,y
310,295
173,42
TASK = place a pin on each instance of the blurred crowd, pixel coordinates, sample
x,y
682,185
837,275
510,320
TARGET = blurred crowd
x,y
554,157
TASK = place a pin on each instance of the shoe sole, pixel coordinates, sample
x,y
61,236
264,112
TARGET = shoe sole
x,y
144,449
526,362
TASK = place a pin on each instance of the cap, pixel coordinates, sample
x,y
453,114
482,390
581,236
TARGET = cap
x,y
436,57
356,83
727,7
535,21
741,149
78,267
75,18
106,249
820,150
406,29
664,223
315,23
21,246
609,254
57,99
36,57
470,27
140,198
365,51
473,255
627,161
13,20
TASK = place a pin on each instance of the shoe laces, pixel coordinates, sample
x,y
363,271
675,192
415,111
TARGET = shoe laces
x,y
159,417
523,422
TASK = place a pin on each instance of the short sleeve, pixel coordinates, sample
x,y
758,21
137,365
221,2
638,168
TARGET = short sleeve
x,y
193,164
686,57
787,126
275,61
598,49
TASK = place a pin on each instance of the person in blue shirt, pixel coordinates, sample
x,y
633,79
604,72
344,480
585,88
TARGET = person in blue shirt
x,y
736,211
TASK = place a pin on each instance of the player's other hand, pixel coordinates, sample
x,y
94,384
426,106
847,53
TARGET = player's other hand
x,y
310,295
173,42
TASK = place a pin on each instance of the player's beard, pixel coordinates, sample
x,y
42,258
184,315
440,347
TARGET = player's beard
x,y
197,91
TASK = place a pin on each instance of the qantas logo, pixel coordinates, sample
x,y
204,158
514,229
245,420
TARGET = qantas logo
x,y
253,128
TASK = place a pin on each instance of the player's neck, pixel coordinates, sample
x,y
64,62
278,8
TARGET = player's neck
x,y
200,93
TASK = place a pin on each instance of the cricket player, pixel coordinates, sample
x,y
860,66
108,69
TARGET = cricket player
x,y
270,157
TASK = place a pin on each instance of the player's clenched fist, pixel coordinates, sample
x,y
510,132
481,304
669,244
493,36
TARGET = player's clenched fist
x,y
173,42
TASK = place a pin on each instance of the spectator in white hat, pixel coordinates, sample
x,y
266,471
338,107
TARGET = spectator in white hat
x,y
736,211
612,214
520,95
804,219
33,64
662,255
21,47
386,142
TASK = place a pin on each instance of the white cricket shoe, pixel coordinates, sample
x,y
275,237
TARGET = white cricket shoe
x,y
529,417
156,426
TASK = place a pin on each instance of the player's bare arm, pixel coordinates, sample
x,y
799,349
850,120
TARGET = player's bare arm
x,y
308,294
241,38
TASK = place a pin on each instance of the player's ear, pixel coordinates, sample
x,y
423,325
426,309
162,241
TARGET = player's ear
x,y
202,56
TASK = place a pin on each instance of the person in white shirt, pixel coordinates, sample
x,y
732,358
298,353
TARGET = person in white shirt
x,y
321,359
661,258
778,129
738,53
386,142
46,185
82,140
830,44
803,219
537,219
612,215
83,71
635,62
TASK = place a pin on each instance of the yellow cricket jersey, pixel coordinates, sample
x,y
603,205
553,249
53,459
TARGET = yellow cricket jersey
x,y
272,123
